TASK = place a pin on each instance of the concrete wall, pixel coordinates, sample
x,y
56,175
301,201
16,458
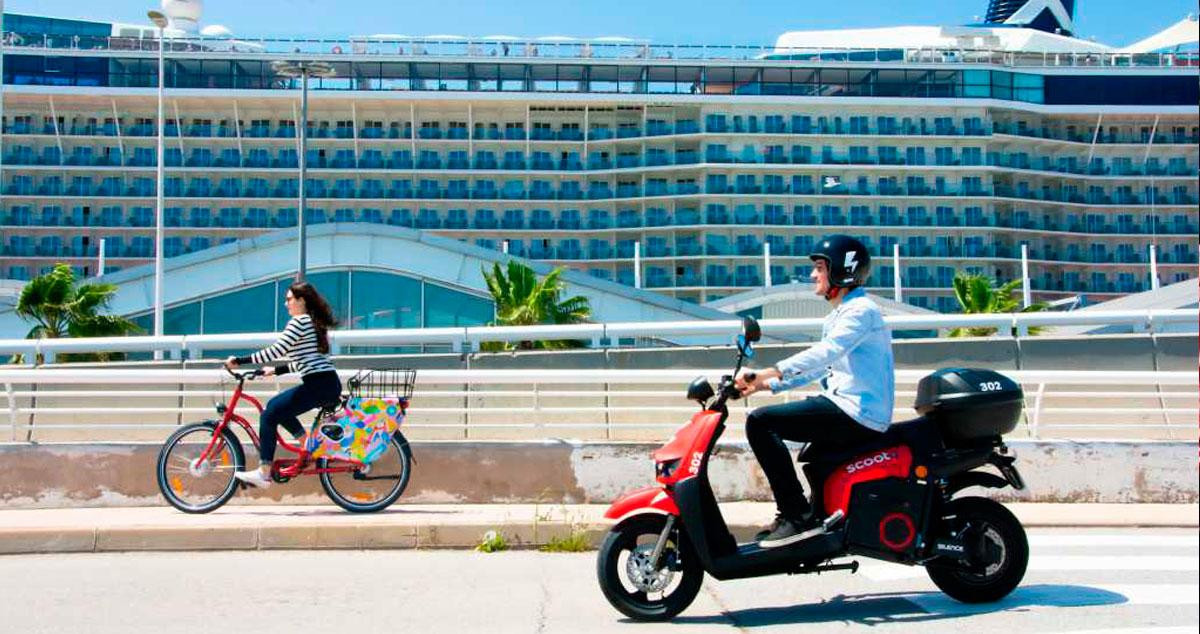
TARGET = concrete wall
x,y
67,475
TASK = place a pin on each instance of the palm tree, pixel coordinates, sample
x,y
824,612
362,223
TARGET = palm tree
x,y
523,300
59,308
978,294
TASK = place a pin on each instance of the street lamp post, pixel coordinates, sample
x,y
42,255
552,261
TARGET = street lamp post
x,y
159,21
303,70
1,88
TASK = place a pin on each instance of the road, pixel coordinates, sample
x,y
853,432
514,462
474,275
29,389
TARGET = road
x,y
1111,580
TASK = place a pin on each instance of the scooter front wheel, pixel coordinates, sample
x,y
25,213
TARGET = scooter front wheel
x,y
639,588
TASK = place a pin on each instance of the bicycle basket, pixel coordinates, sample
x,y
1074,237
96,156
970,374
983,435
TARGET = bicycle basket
x,y
387,383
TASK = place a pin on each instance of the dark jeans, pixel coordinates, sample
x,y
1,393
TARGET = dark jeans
x,y
814,420
317,389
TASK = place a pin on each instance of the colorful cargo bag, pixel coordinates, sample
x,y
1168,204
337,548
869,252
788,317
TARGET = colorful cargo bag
x,y
360,430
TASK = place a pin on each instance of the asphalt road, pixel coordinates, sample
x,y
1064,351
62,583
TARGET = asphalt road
x,y
1135,580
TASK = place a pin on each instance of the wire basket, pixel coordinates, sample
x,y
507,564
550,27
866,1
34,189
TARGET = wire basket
x,y
383,384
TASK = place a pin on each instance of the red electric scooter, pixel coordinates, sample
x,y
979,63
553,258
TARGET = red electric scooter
x,y
894,500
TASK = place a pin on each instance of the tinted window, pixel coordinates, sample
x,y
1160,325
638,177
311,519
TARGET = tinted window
x,y
1182,91
445,307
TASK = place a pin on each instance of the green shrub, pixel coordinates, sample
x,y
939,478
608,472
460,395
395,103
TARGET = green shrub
x,y
576,542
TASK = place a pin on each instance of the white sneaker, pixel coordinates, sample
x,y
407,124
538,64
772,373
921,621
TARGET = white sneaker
x,y
254,478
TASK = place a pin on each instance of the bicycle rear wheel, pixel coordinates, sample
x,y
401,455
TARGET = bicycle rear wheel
x,y
193,485
374,487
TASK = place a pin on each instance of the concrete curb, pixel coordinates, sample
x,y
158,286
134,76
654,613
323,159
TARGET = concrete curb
x,y
429,526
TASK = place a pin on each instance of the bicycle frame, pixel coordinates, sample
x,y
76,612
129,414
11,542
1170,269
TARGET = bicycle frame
x,y
280,468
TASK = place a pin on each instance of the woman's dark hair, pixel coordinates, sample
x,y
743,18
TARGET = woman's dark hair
x,y
318,309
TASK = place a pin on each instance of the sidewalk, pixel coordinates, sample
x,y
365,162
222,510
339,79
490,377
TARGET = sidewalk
x,y
263,527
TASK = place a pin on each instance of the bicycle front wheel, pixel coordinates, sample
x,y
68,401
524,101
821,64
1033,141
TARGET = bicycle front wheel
x,y
375,486
193,485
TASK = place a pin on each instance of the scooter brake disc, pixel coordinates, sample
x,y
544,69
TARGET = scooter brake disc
x,y
998,553
641,572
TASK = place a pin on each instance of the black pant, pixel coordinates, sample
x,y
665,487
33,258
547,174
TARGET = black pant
x,y
814,420
316,389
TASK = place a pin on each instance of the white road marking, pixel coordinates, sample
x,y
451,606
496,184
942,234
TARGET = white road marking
x,y
1060,563
1065,596
1135,630
1039,540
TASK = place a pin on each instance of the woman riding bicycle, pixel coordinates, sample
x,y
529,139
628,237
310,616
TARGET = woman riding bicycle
x,y
305,341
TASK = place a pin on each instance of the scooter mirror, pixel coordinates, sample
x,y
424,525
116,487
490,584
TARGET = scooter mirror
x,y
744,347
750,329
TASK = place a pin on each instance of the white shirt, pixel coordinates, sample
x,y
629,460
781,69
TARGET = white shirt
x,y
853,361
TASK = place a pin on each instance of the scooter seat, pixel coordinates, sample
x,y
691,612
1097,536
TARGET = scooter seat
x,y
920,434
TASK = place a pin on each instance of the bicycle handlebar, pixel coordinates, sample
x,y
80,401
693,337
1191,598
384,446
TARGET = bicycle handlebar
x,y
245,376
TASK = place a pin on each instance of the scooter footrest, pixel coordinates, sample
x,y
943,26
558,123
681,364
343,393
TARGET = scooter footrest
x,y
833,520
851,566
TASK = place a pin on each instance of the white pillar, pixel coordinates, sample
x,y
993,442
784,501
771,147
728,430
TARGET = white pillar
x,y
1153,267
100,262
2,99
637,264
504,247
896,272
1026,292
302,236
158,199
767,264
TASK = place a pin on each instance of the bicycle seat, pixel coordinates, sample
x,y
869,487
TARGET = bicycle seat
x,y
330,405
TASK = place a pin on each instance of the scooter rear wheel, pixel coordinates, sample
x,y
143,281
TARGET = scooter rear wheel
x,y
636,588
998,552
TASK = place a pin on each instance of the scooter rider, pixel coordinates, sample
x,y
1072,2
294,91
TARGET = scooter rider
x,y
853,361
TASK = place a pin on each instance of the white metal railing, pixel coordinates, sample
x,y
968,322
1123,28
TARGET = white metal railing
x,y
122,404
504,48
469,338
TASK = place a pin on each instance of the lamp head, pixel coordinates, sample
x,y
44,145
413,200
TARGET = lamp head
x,y
158,18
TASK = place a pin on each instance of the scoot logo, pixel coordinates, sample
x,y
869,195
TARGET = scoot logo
x,y
879,458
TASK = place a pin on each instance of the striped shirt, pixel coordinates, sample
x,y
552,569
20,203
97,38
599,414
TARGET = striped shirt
x,y
298,343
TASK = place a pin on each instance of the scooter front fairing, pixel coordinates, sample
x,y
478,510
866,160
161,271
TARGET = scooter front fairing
x,y
654,499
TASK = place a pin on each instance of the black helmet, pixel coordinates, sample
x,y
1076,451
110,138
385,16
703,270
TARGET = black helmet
x,y
848,261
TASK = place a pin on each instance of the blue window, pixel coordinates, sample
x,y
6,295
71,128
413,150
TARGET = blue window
x,y
384,300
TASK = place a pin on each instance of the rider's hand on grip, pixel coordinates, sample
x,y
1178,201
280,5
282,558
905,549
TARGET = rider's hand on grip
x,y
746,382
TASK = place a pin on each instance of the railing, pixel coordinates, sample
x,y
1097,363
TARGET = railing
x,y
580,48
85,405
469,338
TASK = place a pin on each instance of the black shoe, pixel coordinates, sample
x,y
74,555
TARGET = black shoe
x,y
774,526
792,531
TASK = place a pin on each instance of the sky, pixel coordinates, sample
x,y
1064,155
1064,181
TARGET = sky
x,y
1115,22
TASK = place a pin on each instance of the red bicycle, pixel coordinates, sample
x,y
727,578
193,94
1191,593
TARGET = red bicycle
x,y
197,462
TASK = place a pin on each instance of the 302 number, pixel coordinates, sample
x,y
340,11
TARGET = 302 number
x,y
990,386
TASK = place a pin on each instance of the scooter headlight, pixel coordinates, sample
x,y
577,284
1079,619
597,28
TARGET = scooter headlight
x,y
666,468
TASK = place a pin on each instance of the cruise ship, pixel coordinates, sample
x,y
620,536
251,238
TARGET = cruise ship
x,y
694,172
